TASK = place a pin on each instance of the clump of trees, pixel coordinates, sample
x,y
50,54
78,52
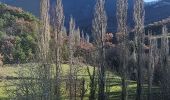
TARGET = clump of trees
x,y
18,35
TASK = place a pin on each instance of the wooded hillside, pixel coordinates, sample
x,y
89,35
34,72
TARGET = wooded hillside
x,y
18,32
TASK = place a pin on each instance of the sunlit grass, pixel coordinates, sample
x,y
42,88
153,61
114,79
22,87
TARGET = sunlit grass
x,y
113,81
2,90
11,71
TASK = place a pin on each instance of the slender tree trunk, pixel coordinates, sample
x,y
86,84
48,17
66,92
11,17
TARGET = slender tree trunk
x,y
58,29
139,15
151,64
122,6
43,43
139,71
102,73
71,51
44,32
165,64
99,30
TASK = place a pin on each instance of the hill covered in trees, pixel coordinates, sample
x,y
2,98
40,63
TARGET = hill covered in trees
x,y
18,32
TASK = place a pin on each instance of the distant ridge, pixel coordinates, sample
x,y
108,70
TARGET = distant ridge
x,y
82,11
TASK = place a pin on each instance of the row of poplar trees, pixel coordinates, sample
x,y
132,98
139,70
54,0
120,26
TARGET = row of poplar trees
x,y
99,29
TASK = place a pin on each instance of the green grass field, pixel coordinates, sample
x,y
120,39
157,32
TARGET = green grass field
x,y
112,81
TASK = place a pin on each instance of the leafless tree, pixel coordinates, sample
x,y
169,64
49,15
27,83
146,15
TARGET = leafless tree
x,y
58,30
44,39
164,52
44,32
71,52
74,63
99,29
139,15
122,6
153,59
43,43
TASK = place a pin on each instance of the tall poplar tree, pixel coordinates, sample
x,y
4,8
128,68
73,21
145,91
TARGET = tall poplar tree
x,y
99,30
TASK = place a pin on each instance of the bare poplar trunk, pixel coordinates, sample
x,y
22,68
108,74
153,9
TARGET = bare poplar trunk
x,y
99,30
71,44
58,29
164,52
122,6
44,38
74,40
139,14
44,32
152,60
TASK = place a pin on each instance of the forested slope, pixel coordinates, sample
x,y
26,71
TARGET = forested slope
x,y
18,32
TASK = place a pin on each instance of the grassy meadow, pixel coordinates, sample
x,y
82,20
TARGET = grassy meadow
x,y
9,74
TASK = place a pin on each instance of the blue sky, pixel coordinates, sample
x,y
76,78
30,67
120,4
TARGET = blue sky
x,y
149,0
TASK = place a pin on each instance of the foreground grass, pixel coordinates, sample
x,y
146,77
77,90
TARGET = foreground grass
x,y
8,73
113,81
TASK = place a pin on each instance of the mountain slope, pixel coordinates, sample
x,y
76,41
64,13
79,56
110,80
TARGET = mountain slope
x,y
82,11
157,11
